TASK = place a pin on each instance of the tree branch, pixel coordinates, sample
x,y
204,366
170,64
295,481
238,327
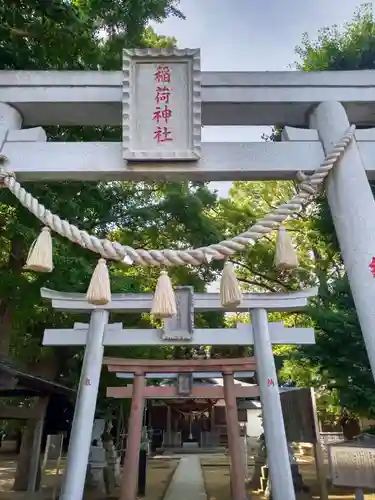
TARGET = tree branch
x,y
262,276
255,283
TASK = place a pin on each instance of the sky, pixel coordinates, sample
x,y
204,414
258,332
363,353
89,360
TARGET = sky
x,y
250,35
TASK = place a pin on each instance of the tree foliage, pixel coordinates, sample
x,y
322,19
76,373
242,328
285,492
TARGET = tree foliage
x,y
80,36
339,357
337,365
88,35
344,49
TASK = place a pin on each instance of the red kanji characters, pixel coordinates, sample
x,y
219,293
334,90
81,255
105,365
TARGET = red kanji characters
x,y
162,134
162,95
270,382
162,74
372,266
162,114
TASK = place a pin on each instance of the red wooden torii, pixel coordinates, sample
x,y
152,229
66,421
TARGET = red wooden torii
x,y
141,367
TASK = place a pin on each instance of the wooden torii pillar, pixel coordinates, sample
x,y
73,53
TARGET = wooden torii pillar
x,y
168,392
178,331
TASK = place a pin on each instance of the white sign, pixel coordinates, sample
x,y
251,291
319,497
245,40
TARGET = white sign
x,y
352,466
161,104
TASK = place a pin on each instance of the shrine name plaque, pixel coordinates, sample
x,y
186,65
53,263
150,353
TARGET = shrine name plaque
x,y
181,326
352,465
161,105
184,383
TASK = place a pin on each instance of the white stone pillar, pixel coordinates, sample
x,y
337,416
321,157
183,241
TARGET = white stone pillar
x,y
84,413
10,119
353,211
273,421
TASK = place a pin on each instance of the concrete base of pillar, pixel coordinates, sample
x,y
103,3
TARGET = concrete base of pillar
x,y
299,487
111,471
118,471
298,480
95,483
259,462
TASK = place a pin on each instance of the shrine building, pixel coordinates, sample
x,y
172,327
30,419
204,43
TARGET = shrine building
x,y
199,419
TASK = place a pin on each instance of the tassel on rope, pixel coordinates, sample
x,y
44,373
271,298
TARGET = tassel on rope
x,y
99,291
286,257
164,301
40,254
230,291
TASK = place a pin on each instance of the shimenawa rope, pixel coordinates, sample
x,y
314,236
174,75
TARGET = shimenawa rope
x,y
112,250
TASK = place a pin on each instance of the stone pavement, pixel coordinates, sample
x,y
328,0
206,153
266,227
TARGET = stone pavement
x,y
187,482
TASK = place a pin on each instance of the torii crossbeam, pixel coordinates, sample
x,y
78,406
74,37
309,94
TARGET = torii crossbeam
x,y
115,335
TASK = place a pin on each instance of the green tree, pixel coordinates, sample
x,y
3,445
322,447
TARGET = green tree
x,y
338,363
247,203
339,358
350,48
86,35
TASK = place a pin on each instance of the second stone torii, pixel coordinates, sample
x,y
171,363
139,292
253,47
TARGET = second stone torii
x,y
258,305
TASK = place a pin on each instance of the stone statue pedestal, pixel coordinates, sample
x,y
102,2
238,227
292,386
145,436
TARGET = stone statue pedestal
x,y
97,460
112,470
95,470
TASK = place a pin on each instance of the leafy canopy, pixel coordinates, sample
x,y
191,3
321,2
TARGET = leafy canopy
x,y
338,362
88,35
337,366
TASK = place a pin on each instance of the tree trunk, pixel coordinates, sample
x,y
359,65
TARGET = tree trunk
x,y
15,266
6,328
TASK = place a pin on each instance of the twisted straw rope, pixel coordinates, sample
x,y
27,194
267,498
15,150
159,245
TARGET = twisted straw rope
x,y
224,249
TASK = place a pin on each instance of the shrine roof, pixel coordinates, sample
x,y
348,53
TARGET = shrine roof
x,y
14,382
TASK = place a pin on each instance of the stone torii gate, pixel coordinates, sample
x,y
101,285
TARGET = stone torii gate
x,y
322,102
179,330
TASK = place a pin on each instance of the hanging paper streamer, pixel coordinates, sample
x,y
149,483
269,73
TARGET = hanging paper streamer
x,y
285,256
40,254
164,302
99,291
230,291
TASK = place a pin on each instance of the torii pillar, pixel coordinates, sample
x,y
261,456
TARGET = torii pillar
x,y
129,480
84,412
238,472
273,420
352,206
158,368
